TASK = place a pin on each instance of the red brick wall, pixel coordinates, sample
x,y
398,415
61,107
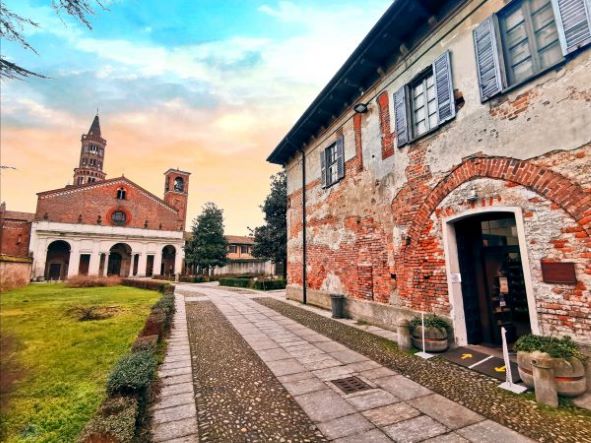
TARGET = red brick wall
x,y
86,204
367,246
14,237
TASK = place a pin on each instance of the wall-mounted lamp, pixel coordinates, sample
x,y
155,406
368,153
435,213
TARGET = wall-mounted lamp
x,y
360,108
473,195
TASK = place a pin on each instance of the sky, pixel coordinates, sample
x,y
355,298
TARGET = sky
x,y
208,86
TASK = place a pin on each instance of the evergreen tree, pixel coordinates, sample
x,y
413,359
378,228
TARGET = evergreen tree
x,y
270,240
208,246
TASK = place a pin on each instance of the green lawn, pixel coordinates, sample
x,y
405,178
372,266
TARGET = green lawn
x,y
64,362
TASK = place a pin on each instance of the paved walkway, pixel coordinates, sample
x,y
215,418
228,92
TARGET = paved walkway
x,y
174,416
394,408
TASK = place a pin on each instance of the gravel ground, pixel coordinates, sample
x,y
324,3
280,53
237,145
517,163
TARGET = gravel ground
x,y
475,391
237,396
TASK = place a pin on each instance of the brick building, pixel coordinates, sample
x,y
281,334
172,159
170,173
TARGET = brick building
x,y
102,226
446,168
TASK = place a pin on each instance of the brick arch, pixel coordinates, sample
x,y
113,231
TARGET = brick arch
x,y
557,188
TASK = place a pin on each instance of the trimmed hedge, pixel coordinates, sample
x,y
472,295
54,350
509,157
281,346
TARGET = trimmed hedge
x,y
115,419
152,285
193,279
132,374
248,282
123,413
235,282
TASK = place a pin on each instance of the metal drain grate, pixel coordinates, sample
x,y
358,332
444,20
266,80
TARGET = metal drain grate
x,y
351,384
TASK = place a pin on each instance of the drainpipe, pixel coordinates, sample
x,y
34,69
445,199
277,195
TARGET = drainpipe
x,y
304,252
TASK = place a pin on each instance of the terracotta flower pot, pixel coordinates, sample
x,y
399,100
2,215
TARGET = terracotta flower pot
x,y
435,339
569,375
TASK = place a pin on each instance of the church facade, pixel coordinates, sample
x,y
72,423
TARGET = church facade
x,y
103,227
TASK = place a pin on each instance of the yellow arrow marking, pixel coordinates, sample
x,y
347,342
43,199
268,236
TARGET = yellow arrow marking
x,y
500,369
465,356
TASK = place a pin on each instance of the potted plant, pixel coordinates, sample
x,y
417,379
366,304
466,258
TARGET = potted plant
x,y
437,329
568,362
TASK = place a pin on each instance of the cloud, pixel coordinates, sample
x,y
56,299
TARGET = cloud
x,y
216,108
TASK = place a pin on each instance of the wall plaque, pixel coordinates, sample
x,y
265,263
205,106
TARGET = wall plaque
x,y
559,273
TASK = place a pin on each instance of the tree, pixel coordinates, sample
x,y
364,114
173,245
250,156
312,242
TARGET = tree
x,y
270,240
12,25
208,246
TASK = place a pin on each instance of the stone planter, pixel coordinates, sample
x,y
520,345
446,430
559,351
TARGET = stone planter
x,y
435,339
569,375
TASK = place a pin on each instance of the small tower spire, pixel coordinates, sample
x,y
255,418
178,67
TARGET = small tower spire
x,y
92,155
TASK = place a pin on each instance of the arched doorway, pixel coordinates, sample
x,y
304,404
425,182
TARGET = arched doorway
x,y
494,282
57,260
119,260
168,259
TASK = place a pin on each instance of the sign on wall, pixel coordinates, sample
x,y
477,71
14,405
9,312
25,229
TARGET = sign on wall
x,y
559,273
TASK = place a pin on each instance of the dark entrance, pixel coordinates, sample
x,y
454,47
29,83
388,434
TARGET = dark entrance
x,y
493,285
57,260
119,260
114,264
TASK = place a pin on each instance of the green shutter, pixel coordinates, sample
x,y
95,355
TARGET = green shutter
x,y
487,59
401,117
573,20
323,167
444,90
341,156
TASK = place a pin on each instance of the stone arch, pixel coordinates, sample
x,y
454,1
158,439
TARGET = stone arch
x,y
557,188
413,272
57,260
119,260
168,260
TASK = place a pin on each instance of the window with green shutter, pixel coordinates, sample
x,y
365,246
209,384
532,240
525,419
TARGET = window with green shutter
x,y
332,163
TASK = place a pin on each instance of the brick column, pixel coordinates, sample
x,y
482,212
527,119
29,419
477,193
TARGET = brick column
x,y
387,136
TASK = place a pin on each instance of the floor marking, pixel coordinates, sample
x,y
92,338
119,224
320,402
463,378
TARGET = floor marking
x,y
481,361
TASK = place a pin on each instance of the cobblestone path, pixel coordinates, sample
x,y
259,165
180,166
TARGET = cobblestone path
x,y
305,362
238,397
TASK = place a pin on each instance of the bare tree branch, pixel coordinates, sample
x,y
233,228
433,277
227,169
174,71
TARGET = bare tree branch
x,y
12,26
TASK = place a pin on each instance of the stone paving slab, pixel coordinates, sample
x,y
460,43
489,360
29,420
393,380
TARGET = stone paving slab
x,y
395,408
174,416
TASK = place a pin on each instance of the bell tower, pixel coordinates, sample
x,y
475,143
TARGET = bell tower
x,y
92,156
176,192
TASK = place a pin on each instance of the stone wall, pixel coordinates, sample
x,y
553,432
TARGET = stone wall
x,y
377,235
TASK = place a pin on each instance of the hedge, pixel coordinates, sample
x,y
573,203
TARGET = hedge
x,y
153,285
235,282
123,412
269,285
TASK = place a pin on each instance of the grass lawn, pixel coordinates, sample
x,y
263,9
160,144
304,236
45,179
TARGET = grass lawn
x,y
62,362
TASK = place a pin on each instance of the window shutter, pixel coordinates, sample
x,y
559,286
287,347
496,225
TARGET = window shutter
x,y
487,59
444,90
573,20
341,156
401,117
323,167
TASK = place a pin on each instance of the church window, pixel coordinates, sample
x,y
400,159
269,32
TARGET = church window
x,y
119,218
179,184
91,179
121,194
80,180
83,162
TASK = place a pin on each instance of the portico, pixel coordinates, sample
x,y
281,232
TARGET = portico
x,y
105,250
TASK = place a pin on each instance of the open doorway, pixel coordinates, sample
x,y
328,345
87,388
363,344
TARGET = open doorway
x,y
492,278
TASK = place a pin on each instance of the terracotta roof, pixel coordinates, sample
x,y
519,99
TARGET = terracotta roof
x,y
240,239
17,215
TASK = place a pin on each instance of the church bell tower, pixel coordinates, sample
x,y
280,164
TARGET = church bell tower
x,y
176,193
92,156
